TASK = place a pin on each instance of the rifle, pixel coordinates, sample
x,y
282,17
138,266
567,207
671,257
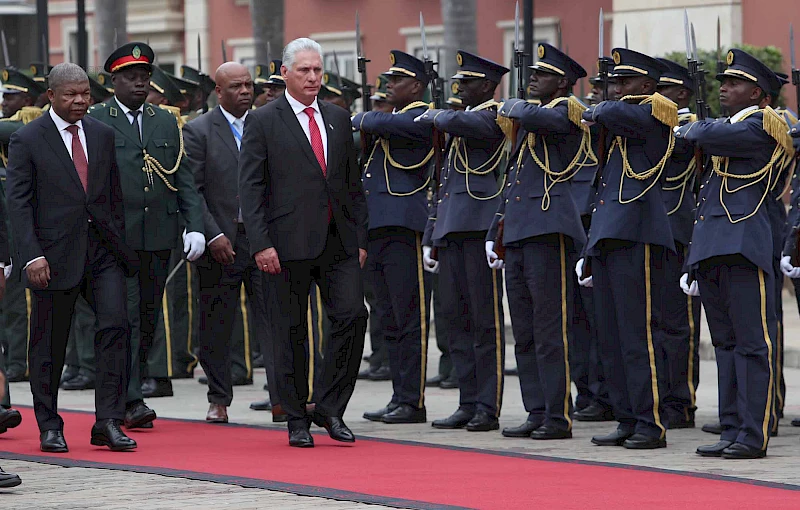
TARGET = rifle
x,y
224,51
6,59
200,75
721,65
698,76
362,68
438,137
519,65
795,70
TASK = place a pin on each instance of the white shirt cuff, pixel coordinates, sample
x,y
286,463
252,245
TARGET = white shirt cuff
x,y
215,238
32,261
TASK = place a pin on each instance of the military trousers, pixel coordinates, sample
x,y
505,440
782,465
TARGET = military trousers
x,y
628,287
402,293
145,293
539,290
471,311
6,400
15,331
440,329
777,359
739,302
679,341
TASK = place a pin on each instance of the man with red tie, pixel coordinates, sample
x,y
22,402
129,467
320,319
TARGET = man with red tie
x,y
65,204
305,216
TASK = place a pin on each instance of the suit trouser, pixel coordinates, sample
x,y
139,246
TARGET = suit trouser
x,y
739,301
103,287
15,330
220,290
6,400
380,354
145,293
679,341
80,346
539,290
471,297
402,294
446,368
628,288
338,276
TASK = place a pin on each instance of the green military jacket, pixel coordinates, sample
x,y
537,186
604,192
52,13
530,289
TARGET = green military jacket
x,y
152,208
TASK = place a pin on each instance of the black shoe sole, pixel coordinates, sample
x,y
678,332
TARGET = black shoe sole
x,y
447,426
552,437
744,457
645,446
373,417
105,442
403,422
609,443
53,450
260,408
709,454
483,428
11,481
517,435
11,422
142,422
301,445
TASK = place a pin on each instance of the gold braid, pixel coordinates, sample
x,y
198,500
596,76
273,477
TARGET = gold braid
x,y
387,157
153,166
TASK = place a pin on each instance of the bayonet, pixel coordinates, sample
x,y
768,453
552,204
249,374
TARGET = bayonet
x,y
720,63
199,60
224,51
694,44
558,29
6,60
424,39
430,66
626,37
116,45
686,35
362,67
791,46
69,53
338,73
269,51
602,34
519,57
795,70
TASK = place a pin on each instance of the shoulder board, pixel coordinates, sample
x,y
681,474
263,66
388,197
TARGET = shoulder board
x,y
663,110
26,114
416,104
485,106
176,112
776,126
575,108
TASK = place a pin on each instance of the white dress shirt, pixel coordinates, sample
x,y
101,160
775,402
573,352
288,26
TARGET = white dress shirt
x,y
129,116
298,108
736,118
238,124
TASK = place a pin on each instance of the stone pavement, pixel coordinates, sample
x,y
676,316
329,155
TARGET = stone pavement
x,y
44,485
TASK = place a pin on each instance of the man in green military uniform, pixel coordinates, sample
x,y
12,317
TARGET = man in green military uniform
x,y
158,189
204,89
20,92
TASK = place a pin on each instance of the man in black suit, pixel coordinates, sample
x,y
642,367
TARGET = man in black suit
x,y
212,144
65,205
305,214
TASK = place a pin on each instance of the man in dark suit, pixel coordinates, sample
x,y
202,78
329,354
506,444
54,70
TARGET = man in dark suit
x,y
65,204
305,214
212,145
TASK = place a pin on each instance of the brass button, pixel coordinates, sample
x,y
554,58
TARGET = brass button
x,y
146,189
506,200
594,210
604,185
509,184
517,199
702,218
695,222
446,195
366,192
369,175
146,209
702,186
518,182
602,202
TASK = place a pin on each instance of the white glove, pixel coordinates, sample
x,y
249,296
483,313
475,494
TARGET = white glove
x,y
690,290
492,259
7,269
788,269
428,264
194,244
583,282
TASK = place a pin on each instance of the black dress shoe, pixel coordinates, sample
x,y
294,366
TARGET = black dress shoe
x,y
335,427
712,428
796,422
258,361
451,383
79,382
743,451
203,380
364,374
299,436
153,387
265,387
643,442
405,413
9,418
240,380
511,371
483,422
8,480
261,405
69,373
550,432
713,450
382,373
52,441
108,433
380,413
523,430
616,438
16,375
457,420
436,380
594,412
139,415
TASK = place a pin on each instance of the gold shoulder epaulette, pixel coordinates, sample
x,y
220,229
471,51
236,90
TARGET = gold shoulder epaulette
x,y
776,126
176,112
26,114
663,110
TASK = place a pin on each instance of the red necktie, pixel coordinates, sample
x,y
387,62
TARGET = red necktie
x,y
316,139
319,150
78,156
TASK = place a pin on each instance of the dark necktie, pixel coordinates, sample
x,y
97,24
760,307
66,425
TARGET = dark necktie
x,y
135,123
78,156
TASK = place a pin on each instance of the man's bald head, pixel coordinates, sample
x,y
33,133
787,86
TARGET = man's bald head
x,y
234,88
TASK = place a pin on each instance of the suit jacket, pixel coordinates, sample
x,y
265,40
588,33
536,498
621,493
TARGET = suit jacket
x,y
152,210
213,158
50,212
679,197
283,194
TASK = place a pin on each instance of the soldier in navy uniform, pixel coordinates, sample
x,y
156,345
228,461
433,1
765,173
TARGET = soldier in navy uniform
x,y
542,234
680,327
396,178
793,223
732,251
625,255
467,197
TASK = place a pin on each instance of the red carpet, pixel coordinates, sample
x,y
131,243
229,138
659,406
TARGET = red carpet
x,y
390,473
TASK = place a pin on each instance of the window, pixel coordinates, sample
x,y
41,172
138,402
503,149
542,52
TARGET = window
x,y
347,65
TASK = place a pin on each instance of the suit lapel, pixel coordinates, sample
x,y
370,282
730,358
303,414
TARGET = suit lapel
x,y
120,122
93,148
292,122
223,130
56,143
330,162
149,123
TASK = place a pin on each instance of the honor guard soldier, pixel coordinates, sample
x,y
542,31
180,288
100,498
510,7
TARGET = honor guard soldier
x,y
732,251
39,73
396,178
204,89
467,196
20,93
339,90
270,79
792,225
158,189
379,102
681,313
99,92
629,235
542,234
